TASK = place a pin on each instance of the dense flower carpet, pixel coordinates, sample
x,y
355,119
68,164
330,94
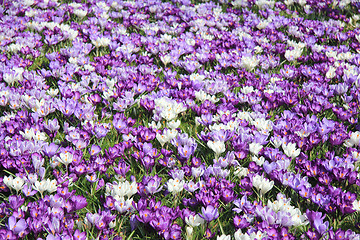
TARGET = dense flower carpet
x,y
180,119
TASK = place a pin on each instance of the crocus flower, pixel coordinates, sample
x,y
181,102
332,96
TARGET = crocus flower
x,y
160,223
65,158
28,191
223,237
209,213
16,226
208,234
262,184
217,146
316,221
186,151
16,201
175,185
255,148
194,220
153,186
17,183
79,235
290,150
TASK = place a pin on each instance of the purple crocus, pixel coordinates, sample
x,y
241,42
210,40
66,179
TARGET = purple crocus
x,y
95,98
316,221
16,201
28,191
145,216
209,213
78,202
100,131
153,186
16,226
50,149
186,151
52,125
120,125
160,223
79,235
94,150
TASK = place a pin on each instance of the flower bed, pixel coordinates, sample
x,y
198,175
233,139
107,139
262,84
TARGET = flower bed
x,y
179,119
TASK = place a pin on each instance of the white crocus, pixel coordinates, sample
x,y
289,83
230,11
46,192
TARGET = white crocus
x,y
194,220
51,185
298,218
8,181
241,236
189,232
217,146
259,161
355,138
80,13
241,172
255,148
258,235
154,125
112,224
123,189
356,155
356,205
101,42
167,135
290,150
66,158
40,136
162,138
331,72
132,189
262,184
170,133
175,185
168,113
249,62
28,133
16,183
173,124
166,58
52,92
41,186
223,237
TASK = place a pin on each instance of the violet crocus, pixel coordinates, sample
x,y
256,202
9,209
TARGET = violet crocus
x,y
209,213
78,202
52,125
316,221
94,150
79,235
28,191
186,151
120,125
160,223
153,186
241,222
16,226
101,131
16,201
50,149
145,216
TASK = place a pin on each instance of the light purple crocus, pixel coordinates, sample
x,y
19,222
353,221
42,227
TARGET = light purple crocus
x,y
18,226
209,213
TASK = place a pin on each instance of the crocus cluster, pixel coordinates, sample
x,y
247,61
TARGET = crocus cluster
x,y
181,119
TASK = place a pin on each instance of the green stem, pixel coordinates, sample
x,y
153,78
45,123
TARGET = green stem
x,y
175,199
222,230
